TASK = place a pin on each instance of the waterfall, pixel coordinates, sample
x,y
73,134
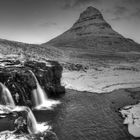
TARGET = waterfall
x,y
31,121
33,126
5,96
8,106
40,98
39,94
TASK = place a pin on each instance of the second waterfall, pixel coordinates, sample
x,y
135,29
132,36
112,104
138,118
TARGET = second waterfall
x,y
40,98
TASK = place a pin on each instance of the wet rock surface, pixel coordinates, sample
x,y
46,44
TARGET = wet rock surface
x,y
17,77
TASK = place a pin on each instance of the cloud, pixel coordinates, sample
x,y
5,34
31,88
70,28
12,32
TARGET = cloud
x,y
120,10
48,24
129,9
130,15
136,14
134,2
75,3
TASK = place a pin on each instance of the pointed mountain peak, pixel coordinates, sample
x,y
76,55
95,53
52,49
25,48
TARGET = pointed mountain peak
x,y
90,13
91,21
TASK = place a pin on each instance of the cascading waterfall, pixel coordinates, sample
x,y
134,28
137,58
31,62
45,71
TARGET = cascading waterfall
x,y
40,98
39,94
8,105
5,96
33,126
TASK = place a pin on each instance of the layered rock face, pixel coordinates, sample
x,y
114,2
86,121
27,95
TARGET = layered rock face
x,y
17,77
92,37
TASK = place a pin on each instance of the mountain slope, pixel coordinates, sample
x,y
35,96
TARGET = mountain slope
x,y
92,37
29,51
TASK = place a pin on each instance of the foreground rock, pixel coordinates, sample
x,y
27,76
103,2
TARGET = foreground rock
x,y
19,80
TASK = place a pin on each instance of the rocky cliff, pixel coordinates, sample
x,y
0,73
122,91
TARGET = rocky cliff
x,y
17,77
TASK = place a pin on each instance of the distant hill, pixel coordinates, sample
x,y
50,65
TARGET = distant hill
x,y
29,51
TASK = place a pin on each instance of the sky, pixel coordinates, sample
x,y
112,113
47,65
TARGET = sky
x,y
38,21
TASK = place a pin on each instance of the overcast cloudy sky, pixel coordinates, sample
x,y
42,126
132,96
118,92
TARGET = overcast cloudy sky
x,y
37,21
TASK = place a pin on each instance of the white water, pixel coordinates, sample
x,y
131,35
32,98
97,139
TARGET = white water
x,y
8,106
33,126
6,97
40,99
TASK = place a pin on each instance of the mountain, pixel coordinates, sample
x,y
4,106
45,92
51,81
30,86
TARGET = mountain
x,y
91,37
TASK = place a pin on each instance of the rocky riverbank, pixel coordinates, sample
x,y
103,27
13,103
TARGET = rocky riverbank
x,y
17,76
25,84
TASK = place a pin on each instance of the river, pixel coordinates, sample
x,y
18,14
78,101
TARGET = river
x,y
90,116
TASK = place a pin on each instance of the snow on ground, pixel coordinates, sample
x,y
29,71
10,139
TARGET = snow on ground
x,y
102,80
132,118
